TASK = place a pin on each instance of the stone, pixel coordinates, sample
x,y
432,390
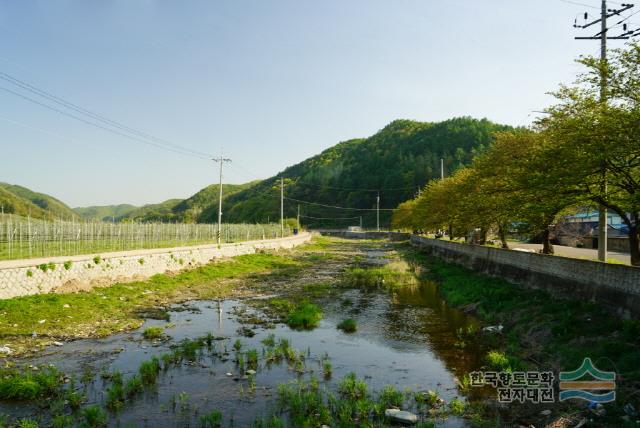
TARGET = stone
x,y
250,372
42,321
58,344
494,328
5,350
401,416
66,306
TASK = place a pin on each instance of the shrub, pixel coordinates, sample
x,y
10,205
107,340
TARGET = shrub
x,y
348,326
498,361
153,333
149,371
306,316
211,420
29,386
67,265
97,260
29,273
94,417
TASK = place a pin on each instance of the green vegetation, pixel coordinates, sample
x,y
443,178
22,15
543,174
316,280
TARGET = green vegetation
x,y
28,385
67,265
25,202
211,420
306,315
108,213
149,371
404,155
103,311
151,333
391,276
349,325
541,331
197,208
583,153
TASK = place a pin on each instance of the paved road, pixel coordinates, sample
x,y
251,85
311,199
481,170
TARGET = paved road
x,y
576,253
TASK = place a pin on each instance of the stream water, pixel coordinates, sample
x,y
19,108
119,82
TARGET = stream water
x,y
407,338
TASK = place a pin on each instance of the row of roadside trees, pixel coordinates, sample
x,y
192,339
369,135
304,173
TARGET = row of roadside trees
x,y
585,151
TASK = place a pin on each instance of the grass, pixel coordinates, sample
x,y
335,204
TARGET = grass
x,y
348,326
305,316
305,404
211,420
151,333
29,385
120,307
543,332
391,276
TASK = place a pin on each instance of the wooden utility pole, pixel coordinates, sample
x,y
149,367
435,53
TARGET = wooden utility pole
x,y
221,160
281,206
378,212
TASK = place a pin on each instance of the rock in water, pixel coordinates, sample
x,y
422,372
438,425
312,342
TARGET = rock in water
x,y
401,416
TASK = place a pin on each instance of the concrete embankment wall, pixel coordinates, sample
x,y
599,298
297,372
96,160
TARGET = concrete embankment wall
x,y
614,286
29,276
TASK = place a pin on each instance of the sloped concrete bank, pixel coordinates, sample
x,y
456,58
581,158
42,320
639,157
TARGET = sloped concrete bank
x,y
615,286
67,274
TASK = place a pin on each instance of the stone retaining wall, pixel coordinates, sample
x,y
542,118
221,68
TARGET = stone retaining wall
x,y
67,274
615,286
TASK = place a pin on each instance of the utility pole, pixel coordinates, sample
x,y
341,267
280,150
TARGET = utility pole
x,y
603,37
282,206
299,217
378,212
441,168
221,160
360,222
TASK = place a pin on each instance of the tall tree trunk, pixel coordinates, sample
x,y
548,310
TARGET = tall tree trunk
x,y
483,236
502,233
547,247
450,232
634,240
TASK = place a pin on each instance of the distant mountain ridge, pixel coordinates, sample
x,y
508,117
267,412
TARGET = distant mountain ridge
x,y
394,163
20,200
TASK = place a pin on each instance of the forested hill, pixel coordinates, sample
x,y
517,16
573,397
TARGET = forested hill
x,y
397,161
19,200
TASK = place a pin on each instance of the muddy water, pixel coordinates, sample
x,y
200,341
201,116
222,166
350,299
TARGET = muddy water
x,y
405,338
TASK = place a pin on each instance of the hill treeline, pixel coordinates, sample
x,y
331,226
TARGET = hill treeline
x,y
19,200
395,162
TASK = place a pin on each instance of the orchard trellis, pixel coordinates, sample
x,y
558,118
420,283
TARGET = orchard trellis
x,y
24,237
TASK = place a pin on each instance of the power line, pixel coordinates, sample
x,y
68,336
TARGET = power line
x,y
139,135
328,218
337,207
97,125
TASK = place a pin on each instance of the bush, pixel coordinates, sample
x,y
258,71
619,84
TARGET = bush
x,y
153,333
306,316
348,326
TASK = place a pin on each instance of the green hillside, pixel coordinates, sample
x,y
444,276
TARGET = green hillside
x,y
397,161
203,204
19,200
105,212
12,204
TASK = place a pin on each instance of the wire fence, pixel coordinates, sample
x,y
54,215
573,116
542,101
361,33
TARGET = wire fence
x,y
24,237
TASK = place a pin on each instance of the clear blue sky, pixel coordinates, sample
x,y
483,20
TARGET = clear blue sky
x,y
273,82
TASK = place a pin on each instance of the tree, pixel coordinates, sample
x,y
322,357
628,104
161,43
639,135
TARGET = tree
x,y
596,146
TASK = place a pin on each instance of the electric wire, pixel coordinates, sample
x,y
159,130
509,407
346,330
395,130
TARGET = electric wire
x,y
97,125
337,207
157,142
